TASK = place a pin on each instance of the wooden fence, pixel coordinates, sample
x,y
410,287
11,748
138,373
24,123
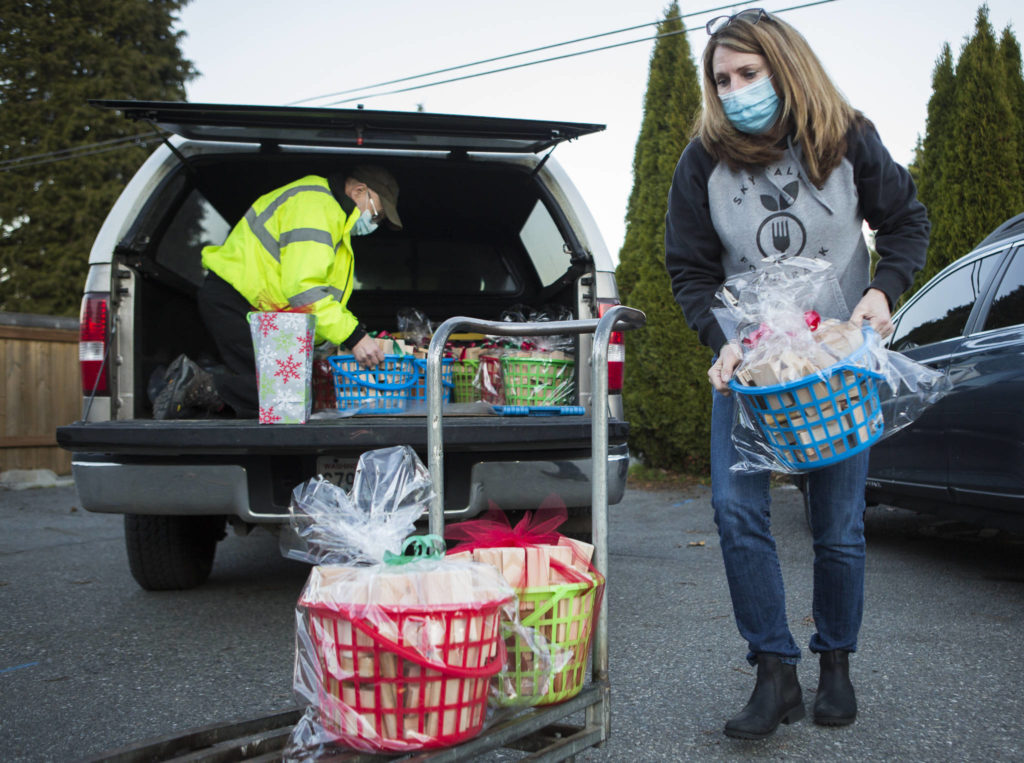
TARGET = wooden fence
x,y
41,389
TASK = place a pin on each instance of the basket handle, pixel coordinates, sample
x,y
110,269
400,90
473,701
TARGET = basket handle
x,y
488,670
385,386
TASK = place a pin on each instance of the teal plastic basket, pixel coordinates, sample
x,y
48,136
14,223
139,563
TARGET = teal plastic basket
x,y
386,389
821,419
418,393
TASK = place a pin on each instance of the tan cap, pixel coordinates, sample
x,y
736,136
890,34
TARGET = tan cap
x,y
383,183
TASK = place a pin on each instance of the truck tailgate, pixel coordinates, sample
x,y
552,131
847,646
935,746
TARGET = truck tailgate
x,y
246,436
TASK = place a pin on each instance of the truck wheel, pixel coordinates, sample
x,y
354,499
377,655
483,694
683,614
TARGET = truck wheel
x,y
171,553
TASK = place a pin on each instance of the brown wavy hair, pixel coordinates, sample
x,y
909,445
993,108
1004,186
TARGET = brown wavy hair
x,y
813,110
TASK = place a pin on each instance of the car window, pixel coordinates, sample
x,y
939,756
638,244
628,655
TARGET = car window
x,y
195,225
544,244
941,312
455,267
1008,304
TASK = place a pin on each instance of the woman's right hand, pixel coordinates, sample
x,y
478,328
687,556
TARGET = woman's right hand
x,y
721,372
368,353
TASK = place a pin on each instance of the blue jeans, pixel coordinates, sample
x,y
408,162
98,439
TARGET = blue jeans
x,y
742,512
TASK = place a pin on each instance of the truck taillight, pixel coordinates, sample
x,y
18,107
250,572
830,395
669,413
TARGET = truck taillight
x,y
616,350
92,344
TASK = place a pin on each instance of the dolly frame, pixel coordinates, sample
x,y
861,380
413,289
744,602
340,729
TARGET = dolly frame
x,y
541,731
557,742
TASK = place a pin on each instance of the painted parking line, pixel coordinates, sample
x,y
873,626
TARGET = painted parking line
x,y
18,667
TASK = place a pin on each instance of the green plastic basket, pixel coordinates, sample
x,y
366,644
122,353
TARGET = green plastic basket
x,y
537,381
464,379
564,614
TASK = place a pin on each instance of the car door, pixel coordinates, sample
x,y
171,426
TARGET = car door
x,y
915,460
985,418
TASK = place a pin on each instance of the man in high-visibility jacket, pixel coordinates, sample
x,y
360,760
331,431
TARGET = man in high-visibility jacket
x,y
291,251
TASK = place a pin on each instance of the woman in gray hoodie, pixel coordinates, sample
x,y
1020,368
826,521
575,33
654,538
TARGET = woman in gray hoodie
x,y
781,165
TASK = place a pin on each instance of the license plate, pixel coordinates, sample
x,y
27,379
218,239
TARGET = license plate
x,y
340,471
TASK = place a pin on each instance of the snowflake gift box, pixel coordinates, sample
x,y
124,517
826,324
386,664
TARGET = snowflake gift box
x,y
284,365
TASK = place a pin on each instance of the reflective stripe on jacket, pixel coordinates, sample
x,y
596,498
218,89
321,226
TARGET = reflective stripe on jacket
x,y
292,250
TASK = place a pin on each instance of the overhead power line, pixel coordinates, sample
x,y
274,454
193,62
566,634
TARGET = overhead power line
x,y
87,149
483,61
143,139
512,67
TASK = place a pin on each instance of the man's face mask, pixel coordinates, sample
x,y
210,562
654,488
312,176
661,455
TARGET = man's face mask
x,y
368,218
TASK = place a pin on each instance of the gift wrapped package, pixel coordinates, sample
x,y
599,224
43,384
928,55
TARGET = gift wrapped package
x,y
559,594
816,402
396,646
284,365
809,385
402,656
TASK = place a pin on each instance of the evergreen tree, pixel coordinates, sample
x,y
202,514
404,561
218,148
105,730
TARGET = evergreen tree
x,y
928,158
971,163
1009,49
666,395
54,56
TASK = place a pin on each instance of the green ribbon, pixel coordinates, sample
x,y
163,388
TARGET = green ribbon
x,y
415,548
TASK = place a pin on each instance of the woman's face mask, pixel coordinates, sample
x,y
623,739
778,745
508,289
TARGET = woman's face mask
x,y
752,109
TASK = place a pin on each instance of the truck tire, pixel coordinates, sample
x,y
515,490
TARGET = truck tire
x,y
171,553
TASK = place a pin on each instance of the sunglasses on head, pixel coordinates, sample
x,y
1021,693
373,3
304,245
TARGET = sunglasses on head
x,y
750,15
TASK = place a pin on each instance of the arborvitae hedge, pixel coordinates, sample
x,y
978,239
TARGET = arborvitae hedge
x,y
927,167
666,395
971,162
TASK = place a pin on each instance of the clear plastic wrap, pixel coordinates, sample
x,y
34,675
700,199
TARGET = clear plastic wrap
x,y
398,657
526,314
812,392
397,647
414,326
559,594
390,491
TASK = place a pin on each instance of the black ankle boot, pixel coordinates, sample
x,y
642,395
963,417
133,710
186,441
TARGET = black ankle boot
x,y
835,703
776,698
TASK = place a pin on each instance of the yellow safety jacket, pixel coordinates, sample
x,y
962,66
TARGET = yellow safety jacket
x,y
292,251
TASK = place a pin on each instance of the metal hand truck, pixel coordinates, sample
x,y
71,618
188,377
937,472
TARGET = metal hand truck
x,y
541,731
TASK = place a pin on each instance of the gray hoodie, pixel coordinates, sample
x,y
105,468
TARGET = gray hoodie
x,y
722,222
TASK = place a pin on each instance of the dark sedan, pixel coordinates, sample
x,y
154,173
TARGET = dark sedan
x,y
964,457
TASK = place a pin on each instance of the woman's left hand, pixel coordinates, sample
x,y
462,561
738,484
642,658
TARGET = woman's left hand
x,y
874,308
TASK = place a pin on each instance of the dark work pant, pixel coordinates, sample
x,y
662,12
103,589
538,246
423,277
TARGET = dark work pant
x,y
223,311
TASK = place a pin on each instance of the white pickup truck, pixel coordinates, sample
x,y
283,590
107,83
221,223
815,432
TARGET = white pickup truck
x,y
490,222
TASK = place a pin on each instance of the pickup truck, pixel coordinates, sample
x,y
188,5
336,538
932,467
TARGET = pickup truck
x,y
491,224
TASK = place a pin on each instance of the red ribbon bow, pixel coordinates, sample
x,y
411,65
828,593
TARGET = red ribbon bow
x,y
811,318
494,530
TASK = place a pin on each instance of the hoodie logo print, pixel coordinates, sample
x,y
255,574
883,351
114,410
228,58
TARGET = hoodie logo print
x,y
781,234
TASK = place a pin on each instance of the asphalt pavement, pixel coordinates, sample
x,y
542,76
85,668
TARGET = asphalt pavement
x,y
89,662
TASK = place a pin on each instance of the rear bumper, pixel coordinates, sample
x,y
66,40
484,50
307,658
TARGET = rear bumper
x,y
254,493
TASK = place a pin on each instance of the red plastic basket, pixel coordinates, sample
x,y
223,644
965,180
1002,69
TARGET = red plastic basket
x,y
492,387
379,691
323,385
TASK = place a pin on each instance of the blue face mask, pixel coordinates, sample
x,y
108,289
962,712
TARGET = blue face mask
x,y
365,225
752,109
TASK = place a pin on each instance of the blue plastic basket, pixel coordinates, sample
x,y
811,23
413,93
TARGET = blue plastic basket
x,y
418,394
385,389
821,419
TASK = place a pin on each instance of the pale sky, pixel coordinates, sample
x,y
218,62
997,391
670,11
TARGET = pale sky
x,y
879,52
